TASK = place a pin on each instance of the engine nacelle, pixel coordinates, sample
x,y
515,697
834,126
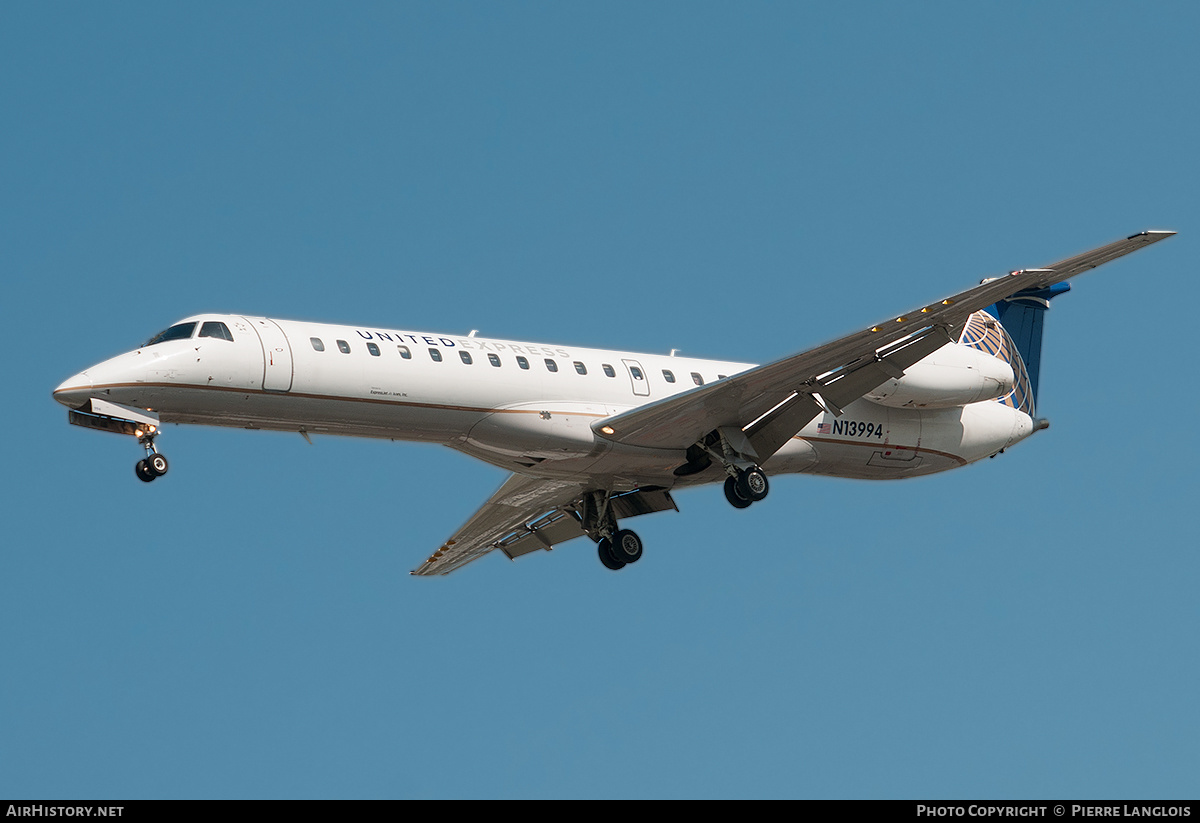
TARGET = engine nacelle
x,y
954,375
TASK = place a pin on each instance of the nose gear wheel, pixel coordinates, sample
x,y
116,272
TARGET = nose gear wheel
x,y
154,464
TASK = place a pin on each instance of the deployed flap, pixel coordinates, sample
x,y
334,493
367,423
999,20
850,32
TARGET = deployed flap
x,y
520,500
836,373
527,514
771,431
561,525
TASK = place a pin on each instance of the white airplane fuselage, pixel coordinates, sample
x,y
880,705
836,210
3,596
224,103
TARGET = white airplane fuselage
x,y
525,407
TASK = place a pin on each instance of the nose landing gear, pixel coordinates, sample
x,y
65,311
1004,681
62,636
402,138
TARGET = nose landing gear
x,y
154,465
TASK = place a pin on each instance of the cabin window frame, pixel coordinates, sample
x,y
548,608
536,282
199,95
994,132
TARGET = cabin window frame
x,y
215,325
165,335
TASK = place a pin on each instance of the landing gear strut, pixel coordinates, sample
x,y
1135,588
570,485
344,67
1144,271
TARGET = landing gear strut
x,y
154,465
746,483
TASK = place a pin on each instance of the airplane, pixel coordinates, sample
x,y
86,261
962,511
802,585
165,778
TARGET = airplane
x,y
594,437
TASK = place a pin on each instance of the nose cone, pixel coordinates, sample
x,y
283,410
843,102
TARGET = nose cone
x,y
74,391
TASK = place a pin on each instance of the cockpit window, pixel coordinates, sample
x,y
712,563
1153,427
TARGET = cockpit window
x,y
181,331
214,329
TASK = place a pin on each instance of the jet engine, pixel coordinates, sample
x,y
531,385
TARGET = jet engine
x,y
954,375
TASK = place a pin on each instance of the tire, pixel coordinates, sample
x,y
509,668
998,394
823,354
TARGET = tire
x,y
734,495
143,472
604,549
156,464
626,547
752,484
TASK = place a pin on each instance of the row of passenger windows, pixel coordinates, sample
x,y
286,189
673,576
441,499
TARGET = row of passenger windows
x,y
435,354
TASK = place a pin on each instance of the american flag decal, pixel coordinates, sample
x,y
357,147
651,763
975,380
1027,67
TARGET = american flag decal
x,y
824,428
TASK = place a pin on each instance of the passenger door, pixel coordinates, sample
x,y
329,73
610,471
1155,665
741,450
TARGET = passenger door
x,y
277,354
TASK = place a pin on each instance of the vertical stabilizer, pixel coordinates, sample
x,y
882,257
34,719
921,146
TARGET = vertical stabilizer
x,y
1023,316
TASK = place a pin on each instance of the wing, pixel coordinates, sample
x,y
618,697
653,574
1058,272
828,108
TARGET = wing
x,y
770,403
527,514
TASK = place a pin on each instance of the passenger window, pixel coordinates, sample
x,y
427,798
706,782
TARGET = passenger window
x,y
668,376
373,349
609,370
343,347
436,355
317,344
465,356
214,329
181,331
637,373
522,362
580,368
551,365
697,379
404,352
494,359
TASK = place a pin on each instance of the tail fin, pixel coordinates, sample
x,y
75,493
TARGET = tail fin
x,y
1016,339
1023,316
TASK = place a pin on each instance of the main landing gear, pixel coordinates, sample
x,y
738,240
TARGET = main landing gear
x,y
616,547
622,548
154,465
746,486
732,450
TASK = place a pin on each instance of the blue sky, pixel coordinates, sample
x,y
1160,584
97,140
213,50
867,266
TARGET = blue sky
x,y
739,181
